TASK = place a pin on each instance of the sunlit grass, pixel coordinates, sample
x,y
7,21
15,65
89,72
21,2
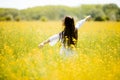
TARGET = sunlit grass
x,y
97,58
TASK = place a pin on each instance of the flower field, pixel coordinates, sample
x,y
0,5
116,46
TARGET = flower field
x,y
97,54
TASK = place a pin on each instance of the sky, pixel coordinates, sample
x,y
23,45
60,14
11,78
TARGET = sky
x,y
22,4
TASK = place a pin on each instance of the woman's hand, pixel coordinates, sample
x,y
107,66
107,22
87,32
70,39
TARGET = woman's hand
x,y
88,17
41,45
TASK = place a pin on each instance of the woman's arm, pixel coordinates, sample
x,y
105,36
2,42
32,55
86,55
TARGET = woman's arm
x,y
52,41
43,43
79,23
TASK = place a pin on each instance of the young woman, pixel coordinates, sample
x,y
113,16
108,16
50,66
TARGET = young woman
x,y
68,37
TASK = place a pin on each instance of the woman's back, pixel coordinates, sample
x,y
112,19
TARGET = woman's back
x,y
69,34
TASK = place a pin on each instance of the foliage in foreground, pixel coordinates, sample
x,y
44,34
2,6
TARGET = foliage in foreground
x,y
97,57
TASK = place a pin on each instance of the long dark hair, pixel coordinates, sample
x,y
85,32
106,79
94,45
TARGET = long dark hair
x,y
70,34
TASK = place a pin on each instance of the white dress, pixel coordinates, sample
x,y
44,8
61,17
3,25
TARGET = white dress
x,y
55,38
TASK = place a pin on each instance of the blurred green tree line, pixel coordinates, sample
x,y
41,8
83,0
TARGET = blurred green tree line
x,y
106,12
